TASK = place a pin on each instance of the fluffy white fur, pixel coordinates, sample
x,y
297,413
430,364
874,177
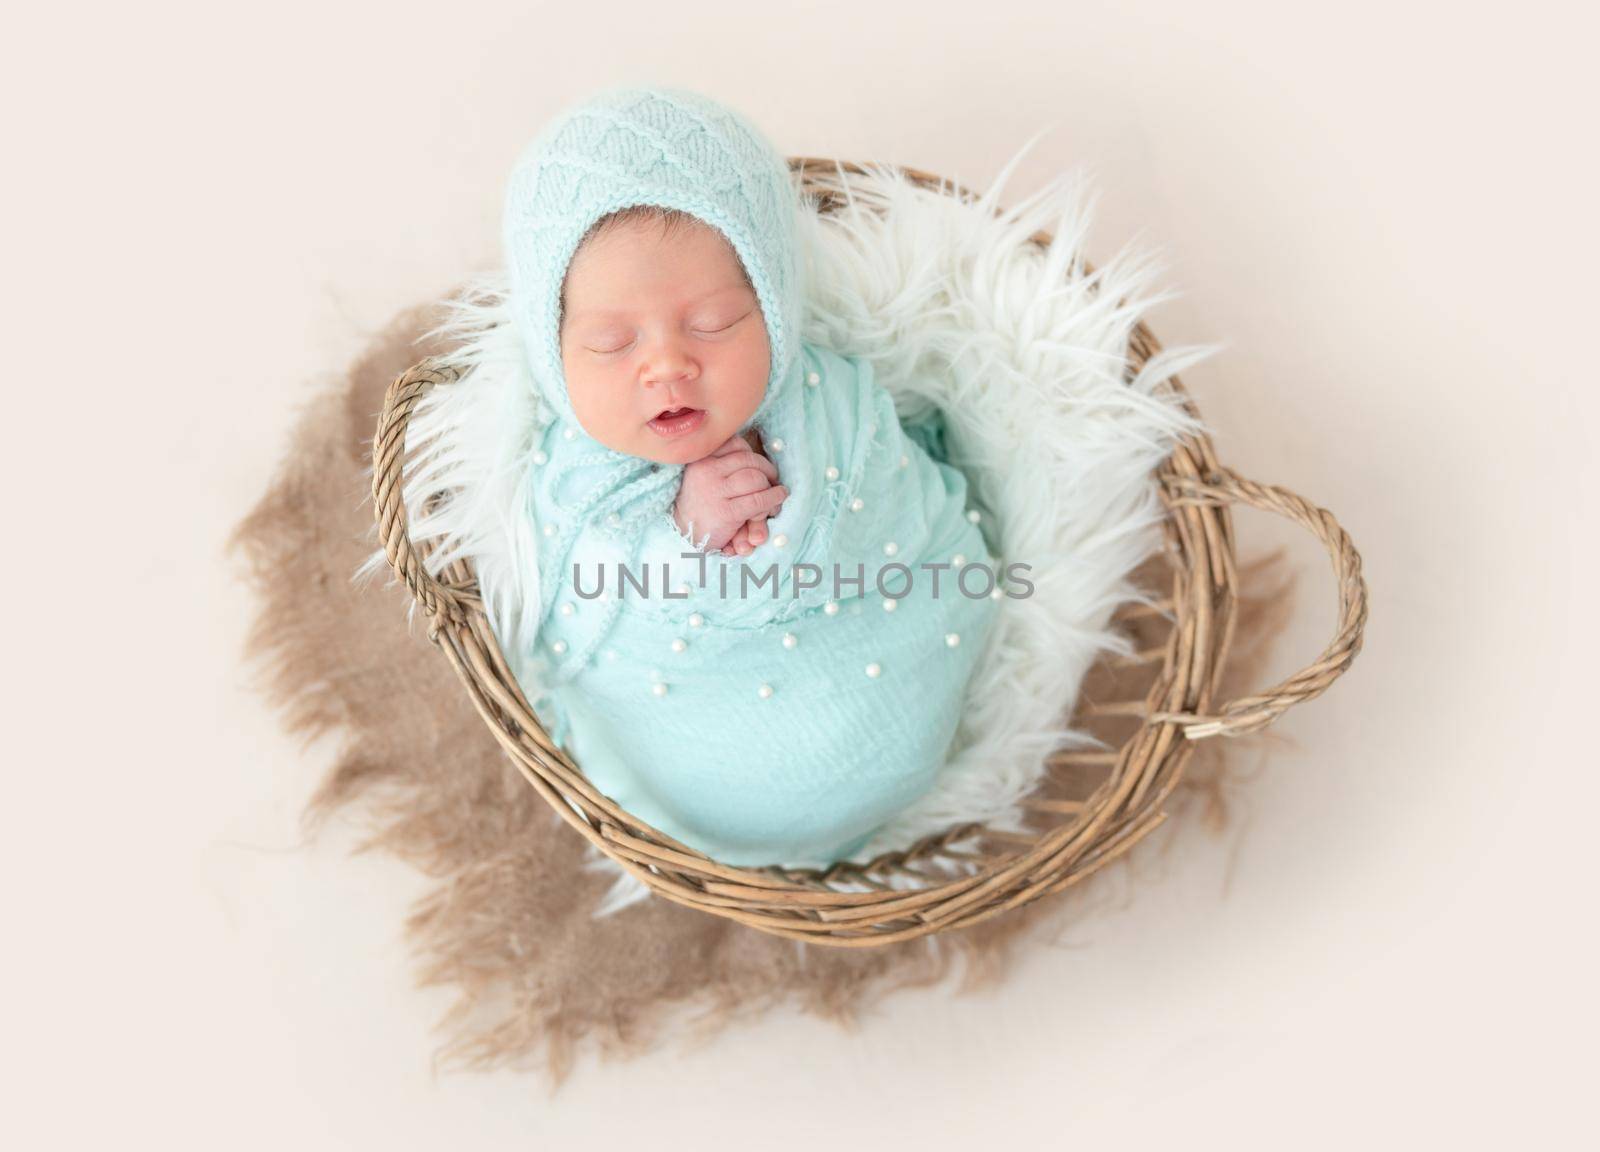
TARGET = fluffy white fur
x,y
1027,354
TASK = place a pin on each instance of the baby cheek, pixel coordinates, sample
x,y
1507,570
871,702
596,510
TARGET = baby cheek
x,y
599,405
753,368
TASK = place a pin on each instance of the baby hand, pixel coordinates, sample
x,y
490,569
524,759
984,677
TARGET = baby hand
x,y
729,494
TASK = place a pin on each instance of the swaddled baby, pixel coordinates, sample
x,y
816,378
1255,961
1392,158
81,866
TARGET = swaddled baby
x,y
761,599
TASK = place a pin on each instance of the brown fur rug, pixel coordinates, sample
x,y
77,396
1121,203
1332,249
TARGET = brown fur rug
x,y
508,923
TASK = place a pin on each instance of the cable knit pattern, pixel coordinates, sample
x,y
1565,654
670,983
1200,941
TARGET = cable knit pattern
x,y
668,147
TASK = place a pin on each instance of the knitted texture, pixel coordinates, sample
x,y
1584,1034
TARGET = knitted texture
x,y
666,147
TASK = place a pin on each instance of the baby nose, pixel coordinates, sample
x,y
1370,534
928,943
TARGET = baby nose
x,y
676,370
668,365
669,377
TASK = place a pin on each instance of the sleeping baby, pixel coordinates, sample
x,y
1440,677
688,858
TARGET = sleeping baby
x,y
761,596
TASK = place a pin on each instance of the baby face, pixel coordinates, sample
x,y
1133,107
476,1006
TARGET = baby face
x,y
662,340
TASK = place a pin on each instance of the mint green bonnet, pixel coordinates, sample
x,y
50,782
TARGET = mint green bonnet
x,y
656,146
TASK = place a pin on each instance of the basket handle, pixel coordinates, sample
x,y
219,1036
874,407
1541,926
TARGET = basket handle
x,y
388,499
1251,713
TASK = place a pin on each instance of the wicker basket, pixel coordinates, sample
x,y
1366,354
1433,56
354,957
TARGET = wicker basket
x,y
1183,645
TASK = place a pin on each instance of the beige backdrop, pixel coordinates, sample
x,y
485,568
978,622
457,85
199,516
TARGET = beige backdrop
x,y
1384,210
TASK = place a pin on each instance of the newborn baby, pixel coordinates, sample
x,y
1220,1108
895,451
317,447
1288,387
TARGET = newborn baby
x,y
760,599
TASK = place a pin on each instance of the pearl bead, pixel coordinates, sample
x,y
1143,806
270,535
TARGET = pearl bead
x,y
765,691
904,461
952,639
695,619
813,379
890,548
567,609
780,540
890,605
541,457
610,653
997,593
790,639
684,588
559,647
613,519
958,559
857,504
659,688
678,644
873,670
570,434
832,473
831,608
973,516
549,529
776,444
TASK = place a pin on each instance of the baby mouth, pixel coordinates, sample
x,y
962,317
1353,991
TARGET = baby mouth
x,y
673,422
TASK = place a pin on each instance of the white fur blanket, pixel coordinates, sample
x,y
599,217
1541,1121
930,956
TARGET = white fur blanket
x,y
1027,353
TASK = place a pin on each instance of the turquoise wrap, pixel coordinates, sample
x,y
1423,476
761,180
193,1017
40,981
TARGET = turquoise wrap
x,y
803,772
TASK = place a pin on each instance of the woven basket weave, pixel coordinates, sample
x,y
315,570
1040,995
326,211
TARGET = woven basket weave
x,y
1183,641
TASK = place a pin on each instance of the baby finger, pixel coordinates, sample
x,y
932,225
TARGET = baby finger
x,y
737,461
758,502
744,481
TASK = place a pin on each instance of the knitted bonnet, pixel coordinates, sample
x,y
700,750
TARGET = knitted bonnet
x,y
648,146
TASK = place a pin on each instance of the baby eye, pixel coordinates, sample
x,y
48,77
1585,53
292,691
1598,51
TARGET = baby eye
x,y
712,328
610,345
